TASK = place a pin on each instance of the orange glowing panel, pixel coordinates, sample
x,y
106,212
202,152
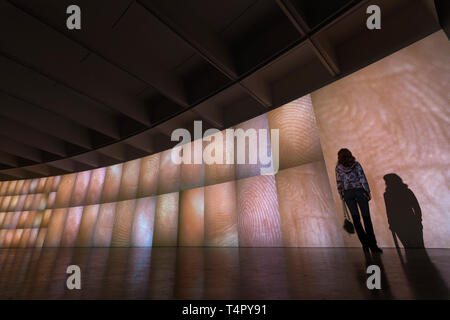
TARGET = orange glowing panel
x,y
16,238
148,178
307,212
32,238
87,225
2,237
55,228
2,218
4,187
192,175
142,231
130,180
221,215
5,203
70,233
39,243
48,185
25,238
65,189
169,174
19,187
111,185
56,182
218,173
51,200
41,185
23,217
13,203
11,187
26,187
28,202
8,238
299,136
80,189
191,229
37,203
258,216
104,226
7,220
166,220
46,218
123,223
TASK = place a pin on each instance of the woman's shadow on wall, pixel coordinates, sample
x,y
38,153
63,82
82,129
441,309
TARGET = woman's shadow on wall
x,y
405,222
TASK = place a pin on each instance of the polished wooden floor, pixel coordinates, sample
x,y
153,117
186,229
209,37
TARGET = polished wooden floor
x,y
223,273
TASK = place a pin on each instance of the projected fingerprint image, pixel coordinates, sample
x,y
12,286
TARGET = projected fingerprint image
x,y
258,216
391,115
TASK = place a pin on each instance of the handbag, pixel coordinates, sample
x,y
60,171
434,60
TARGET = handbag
x,y
348,225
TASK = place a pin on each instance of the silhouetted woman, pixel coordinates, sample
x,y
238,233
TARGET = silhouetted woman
x,y
354,190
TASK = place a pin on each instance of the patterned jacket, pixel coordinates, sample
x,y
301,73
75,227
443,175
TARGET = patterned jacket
x,y
351,178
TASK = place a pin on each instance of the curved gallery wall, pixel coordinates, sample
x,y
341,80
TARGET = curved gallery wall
x,y
391,114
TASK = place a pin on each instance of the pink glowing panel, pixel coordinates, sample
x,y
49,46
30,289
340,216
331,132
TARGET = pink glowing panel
x,y
142,230
258,216
87,225
191,217
32,238
72,224
169,174
11,187
38,202
21,202
56,182
299,135
111,185
38,216
221,215
51,200
257,155
80,188
192,175
104,226
33,185
55,228
166,220
218,173
95,188
15,216
64,192
307,212
130,180
148,178
123,223
39,243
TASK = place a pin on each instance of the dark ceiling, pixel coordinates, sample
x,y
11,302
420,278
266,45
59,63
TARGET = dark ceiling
x,y
72,100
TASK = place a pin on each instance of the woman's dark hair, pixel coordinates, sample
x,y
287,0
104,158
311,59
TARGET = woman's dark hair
x,y
345,157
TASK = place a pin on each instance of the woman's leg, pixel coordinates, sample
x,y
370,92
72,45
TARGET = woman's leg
x,y
363,203
350,200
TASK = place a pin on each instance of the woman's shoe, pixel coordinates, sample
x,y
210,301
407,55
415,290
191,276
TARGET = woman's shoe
x,y
376,249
